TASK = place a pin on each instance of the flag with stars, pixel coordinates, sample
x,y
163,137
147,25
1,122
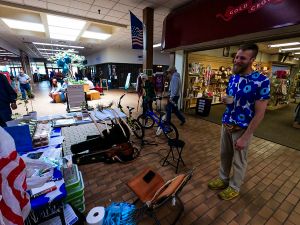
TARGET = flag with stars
x,y
136,32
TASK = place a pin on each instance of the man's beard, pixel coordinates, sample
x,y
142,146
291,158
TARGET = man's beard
x,y
239,69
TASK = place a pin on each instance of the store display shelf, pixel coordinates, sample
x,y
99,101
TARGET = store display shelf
x,y
272,107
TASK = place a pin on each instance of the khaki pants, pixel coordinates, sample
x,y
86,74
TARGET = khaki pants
x,y
237,159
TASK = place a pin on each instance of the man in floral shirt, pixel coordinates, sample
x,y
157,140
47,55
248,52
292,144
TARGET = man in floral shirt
x,y
250,92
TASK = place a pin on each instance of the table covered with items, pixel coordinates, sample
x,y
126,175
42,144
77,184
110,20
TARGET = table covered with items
x,y
54,184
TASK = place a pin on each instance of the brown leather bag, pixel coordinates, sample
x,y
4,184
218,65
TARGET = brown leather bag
x,y
124,152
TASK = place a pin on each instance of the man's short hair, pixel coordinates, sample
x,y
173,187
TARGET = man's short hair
x,y
253,47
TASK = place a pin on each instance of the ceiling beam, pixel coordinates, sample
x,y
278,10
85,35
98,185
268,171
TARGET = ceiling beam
x,y
36,9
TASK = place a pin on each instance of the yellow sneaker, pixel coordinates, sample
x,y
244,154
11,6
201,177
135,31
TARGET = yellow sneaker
x,y
228,194
217,184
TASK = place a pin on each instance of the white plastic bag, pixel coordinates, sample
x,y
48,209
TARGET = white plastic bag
x,y
34,175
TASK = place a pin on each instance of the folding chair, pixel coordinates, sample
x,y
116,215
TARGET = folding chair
x,y
153,192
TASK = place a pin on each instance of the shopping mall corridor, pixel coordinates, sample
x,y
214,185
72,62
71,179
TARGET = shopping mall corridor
x,y
270,194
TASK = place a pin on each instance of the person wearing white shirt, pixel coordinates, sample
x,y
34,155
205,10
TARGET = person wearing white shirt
x,y
90,83
56,88
24,81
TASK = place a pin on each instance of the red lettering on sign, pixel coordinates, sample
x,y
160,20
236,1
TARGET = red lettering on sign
x,y
232,11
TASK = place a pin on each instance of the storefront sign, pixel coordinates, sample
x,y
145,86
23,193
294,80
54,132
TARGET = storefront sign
x,y
251,7
209,20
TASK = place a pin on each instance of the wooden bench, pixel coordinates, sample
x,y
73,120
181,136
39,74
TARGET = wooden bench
x,y
93,95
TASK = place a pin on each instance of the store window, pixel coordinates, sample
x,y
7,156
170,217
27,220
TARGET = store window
x,y
209,71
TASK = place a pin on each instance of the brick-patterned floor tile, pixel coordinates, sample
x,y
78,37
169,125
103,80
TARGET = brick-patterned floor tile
x,y
242,218
270,193
280,215
294,218
273,221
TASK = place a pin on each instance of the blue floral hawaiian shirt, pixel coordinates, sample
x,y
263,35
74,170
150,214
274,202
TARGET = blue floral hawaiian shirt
x,y
245,90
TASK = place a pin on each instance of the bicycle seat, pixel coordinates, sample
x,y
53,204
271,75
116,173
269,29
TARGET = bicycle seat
x,y
130,108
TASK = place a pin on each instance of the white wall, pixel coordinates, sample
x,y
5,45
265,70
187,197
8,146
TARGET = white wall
x,y
133,56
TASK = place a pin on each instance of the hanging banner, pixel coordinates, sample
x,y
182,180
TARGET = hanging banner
x,y
136,32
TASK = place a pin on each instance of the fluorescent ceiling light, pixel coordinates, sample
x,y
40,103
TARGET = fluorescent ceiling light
x,y
157,45
22,25
95,35
56,50
63,37
60,21
284,44
290,49
63,31
58,45
6,53
297,53
2,50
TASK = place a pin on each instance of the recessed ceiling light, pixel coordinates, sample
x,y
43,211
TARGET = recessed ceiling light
x,y
22,25
59,45
290,49
284,44
61,21
157,45
63,31
95,35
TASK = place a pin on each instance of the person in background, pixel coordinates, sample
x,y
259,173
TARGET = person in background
x,y
52,74
14,200
8,99
56,88
148,93
247,97
90,83
24,81
174,92
64,85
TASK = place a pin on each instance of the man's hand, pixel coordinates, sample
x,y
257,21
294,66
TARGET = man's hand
x,y
13,106
240,144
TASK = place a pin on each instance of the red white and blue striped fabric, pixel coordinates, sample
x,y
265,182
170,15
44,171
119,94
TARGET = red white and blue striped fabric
x,y
14,200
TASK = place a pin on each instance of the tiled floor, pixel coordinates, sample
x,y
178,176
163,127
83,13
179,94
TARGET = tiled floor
x,y
270,194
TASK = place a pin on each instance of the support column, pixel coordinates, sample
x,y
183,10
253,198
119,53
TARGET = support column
x,y
148,40
25,63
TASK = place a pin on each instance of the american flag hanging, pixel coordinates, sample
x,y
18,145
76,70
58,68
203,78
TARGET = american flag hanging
x,y
136,32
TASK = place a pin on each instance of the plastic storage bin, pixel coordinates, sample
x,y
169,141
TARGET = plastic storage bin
x,y
76,192
72,178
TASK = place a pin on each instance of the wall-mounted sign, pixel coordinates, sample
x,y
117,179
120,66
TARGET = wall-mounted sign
x,y
249,6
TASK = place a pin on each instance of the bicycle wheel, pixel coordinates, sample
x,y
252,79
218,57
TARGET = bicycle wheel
x,y
137,129
171,133
146,121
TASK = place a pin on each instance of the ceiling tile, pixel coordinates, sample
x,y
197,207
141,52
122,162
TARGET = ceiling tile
x,y
138,13
130,2
115,13
87,1
65,2
105,3
36,3
94,16
56,7
77,12
159,17
80,5
162,10
124,21
95,9
145,4
122,7
15,1
111,19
